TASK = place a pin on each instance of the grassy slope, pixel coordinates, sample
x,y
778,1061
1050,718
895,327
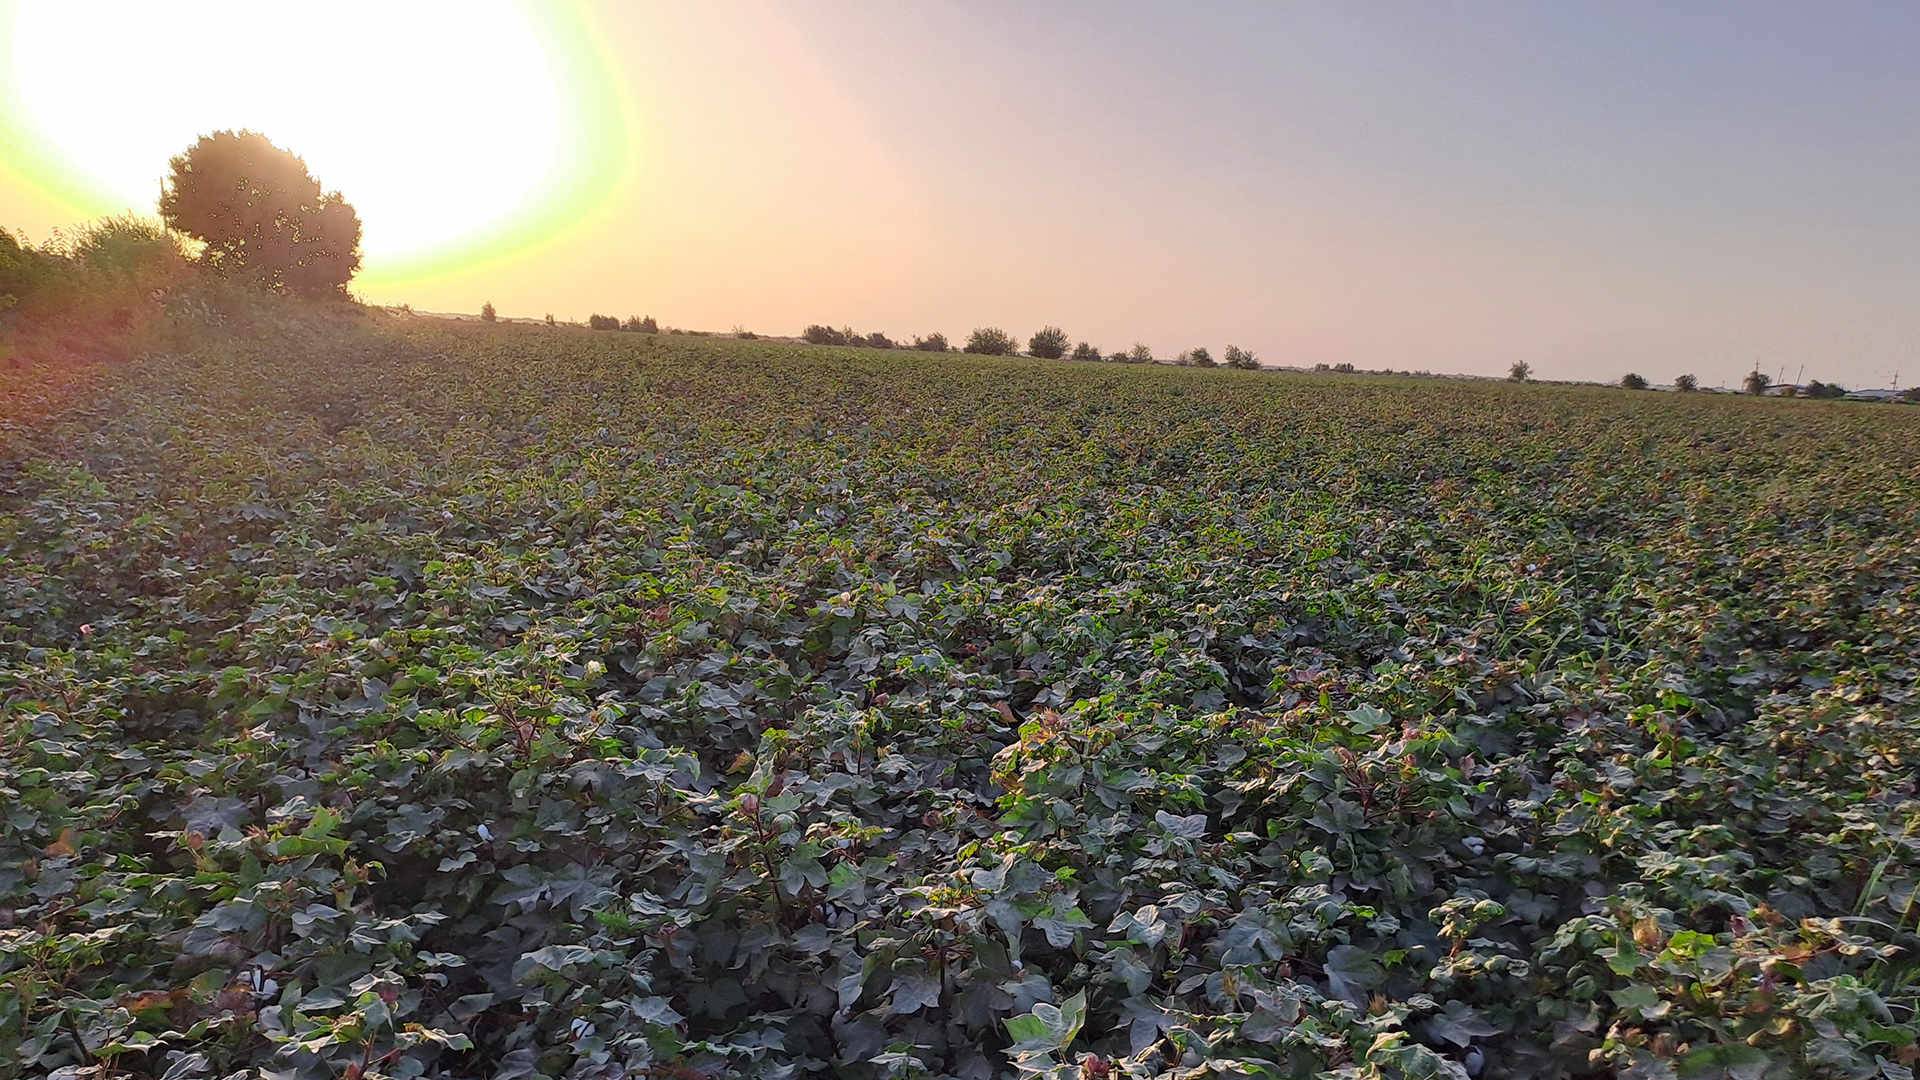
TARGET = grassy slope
x,y
1633,666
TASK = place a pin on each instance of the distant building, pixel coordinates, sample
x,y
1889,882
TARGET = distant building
x,y
1873,395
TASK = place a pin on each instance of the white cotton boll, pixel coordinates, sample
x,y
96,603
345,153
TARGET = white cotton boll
x,y
1474,1061
1474,844
581,1029
486,833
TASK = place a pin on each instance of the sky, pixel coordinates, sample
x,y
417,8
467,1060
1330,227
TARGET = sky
x,y
1654,187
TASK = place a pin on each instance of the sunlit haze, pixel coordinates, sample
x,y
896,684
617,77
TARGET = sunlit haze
x,y
1653,187
440,125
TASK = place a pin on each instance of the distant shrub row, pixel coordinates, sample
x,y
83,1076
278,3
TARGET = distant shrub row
x,y
634,324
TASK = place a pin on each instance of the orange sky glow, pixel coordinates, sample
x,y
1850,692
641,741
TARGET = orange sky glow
x,y
1449,188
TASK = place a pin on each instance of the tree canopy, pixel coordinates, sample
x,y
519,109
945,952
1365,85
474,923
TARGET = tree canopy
x,y
261,213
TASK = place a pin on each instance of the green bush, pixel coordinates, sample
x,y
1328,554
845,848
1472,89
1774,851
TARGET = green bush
x,y
1242,360
1049,343
991,341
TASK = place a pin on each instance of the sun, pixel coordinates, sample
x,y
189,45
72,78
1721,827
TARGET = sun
x,y
458,130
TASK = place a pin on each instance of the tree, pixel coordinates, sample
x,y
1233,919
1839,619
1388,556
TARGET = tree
x,y
638,325
1084,351
1757,382
1686,384
1139,354
931,343
1818,389
1202,358
604,322
991,341
1631,381
1242,360
487,314
1521,371
1050,343
262,214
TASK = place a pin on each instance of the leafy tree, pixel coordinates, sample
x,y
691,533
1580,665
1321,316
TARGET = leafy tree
x,y
1686,384
1632,381
262,214
878,340
1202,358
1139,354
931,343
1757,382
991,341
487,314
604,322
1242,360
1050,343
818,334
1084,351
1818,389
1521,371
637,325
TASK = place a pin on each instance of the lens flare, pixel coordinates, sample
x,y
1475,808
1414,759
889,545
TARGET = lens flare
x,y
461,131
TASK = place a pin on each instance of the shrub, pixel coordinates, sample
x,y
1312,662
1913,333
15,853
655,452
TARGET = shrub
x,y
1521,371
262,214
1344,369
1686,384
931,343
638,325
743,333
1757,382
24,272
878,340
1202,358
134,249
818,334
487,314
1139,354
991,341
1242,360
1818,389
603,322
1050,343
1084,351
550,321
1631,381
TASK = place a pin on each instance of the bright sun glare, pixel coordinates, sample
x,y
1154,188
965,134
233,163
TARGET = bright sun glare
x,y
442,123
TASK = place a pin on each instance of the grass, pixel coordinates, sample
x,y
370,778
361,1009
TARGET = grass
x,y
385,697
